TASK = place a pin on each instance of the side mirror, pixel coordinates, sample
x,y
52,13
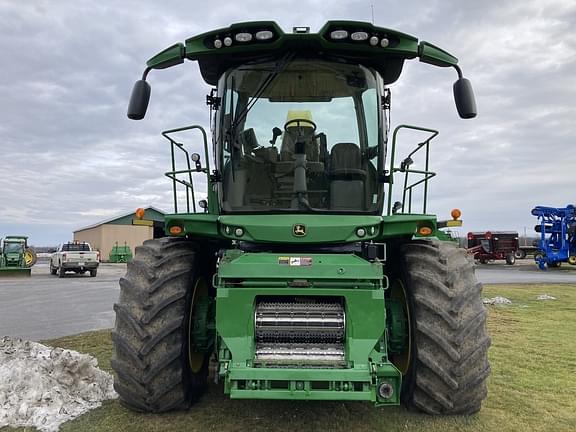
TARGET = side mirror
x,y
139,100
464,99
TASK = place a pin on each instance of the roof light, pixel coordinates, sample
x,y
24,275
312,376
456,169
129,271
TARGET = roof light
x,y
264,35
217,43
243,37
339,34
140,213
384,42
374,41
455,213
227,41
359,36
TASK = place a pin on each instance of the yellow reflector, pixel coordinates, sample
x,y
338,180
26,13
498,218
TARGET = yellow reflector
x,y
140,213
456,213
175,230
424,231
454,223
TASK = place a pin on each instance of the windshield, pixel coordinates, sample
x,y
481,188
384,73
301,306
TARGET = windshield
x,y
75,247
300,136
13,247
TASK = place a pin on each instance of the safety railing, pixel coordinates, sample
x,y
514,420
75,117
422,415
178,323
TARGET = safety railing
x,y
184,177
405,206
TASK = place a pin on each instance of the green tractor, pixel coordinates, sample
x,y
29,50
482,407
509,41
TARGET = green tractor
x,y
296,278
16,258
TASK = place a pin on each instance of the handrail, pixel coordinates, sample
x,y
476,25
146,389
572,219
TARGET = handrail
x,y
189,185
405,168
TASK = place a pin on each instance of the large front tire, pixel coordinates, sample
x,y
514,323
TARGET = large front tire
x,y
152,333
449,365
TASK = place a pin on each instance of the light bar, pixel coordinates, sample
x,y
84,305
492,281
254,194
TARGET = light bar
x,y
243,37
264,35
339,34
359,36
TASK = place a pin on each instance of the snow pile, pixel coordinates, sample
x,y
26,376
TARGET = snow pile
x,y
545,297
44,387
497,301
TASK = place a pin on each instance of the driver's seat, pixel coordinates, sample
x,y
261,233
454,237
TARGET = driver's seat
x,y
291,135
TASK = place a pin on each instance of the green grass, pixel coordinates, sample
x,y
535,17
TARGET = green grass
x,y
532,386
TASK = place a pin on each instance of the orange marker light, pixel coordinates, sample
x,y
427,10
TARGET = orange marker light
x,y
424,231
140,213
175,230
456,213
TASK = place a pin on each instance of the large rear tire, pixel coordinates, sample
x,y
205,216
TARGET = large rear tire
x,y
155,372
449,365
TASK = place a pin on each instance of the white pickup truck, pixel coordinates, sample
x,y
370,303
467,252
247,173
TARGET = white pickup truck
x,y
74,257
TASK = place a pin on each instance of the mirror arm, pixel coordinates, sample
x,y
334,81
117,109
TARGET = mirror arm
x,y
145,74
459,71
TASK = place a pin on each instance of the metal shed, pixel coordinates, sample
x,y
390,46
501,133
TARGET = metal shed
x,y
122,229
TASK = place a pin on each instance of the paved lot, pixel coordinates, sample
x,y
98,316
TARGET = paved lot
x,y
45,307
524,271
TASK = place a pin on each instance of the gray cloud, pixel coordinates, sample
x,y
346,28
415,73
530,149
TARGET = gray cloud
x,y
71,158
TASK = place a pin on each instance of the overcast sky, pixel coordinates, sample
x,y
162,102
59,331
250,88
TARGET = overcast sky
x,y
70,157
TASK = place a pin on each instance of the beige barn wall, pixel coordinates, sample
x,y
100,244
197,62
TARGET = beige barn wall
x,y
92,236
133,235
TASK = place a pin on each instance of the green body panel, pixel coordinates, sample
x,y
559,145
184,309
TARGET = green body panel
x,y
195,224
171,56
348,268
402,224
436,56
279,228
244,277
319,229
388,60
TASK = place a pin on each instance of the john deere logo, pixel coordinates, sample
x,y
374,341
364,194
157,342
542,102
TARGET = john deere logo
x,y
299,230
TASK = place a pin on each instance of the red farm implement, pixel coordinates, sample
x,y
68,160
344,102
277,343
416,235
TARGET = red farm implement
x,y
495,245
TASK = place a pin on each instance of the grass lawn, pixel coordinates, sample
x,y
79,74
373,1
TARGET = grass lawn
x,y
532,386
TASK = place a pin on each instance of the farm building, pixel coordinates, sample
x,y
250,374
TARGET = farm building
x,y
123,230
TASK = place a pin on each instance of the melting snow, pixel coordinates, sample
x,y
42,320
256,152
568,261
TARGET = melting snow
x,y
44,387
497,300
545,297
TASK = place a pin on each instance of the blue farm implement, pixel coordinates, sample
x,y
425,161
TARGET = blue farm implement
x,y
557,228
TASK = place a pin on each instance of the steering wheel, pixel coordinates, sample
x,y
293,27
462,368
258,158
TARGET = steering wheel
x,y
297,121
